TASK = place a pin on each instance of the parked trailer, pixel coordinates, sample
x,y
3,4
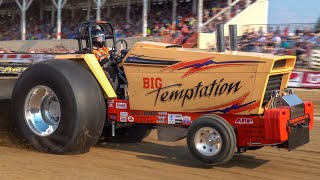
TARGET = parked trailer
x,y
219,101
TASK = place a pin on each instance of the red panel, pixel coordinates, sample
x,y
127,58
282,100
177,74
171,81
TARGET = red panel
x,y
308,109
276,124
252,130
11,56
25,56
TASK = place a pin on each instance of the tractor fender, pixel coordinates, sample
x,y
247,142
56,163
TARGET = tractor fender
x,y
99,74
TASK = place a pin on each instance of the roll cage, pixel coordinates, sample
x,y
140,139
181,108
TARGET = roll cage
x,y
84,33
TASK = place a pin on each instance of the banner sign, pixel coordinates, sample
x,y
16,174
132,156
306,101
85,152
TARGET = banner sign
x,y
311,79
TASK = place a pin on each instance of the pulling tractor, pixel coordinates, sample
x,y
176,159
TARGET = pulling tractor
x,y
221,102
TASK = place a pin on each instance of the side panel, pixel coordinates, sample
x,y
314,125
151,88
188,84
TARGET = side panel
x,y
251,130
213,84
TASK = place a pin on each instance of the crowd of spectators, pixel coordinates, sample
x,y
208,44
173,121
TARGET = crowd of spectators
x,y
282,41
159,20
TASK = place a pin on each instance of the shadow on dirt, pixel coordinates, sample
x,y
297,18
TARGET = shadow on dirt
x,y
179,155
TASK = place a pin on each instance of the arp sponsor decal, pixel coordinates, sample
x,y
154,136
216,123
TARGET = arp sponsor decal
x,y
120,105
244,121
174,118
123,114
123,119
205,64
152,83
130,119
199,91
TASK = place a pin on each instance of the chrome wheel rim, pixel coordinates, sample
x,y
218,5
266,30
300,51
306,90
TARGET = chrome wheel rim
x,y
42,110
208,141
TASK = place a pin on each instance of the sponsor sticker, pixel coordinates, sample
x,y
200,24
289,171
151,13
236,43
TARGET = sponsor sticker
x,y
163,113
186,120
110,103
161,119
120,105
123,119
244,121
178,121
130,119
112,117
174,118
123,114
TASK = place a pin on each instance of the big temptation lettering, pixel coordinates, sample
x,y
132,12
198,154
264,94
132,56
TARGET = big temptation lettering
x,y
216,88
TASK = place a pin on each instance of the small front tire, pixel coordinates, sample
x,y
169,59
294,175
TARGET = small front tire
x,y
212,140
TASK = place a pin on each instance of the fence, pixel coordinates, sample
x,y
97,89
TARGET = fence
x,y
272,27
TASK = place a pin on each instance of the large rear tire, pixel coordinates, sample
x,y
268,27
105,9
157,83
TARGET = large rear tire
x,y
58,107
212,140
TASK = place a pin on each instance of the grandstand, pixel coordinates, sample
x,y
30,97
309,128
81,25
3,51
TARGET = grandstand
x,y
56,19
187,22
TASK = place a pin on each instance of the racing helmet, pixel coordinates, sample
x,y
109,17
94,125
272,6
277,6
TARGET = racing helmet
x,y
98,37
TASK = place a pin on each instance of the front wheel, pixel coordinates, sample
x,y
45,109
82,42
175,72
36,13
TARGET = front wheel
x,y
211,140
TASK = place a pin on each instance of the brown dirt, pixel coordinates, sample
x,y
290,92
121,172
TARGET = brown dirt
x,y
153,160
310,95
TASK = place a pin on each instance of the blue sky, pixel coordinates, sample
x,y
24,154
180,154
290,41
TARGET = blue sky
x,y
293,11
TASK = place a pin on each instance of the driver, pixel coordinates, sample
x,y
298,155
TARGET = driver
x,y
99,50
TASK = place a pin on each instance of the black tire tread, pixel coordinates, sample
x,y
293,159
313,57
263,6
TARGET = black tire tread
x,y
229,130
78,82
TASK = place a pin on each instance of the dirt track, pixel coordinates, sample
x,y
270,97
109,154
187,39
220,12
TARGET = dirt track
x,y
154,160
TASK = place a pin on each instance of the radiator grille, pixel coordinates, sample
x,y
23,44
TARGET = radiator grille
x,y
274,83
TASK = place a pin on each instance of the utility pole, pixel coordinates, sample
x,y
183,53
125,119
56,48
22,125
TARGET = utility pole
x,y
128,11
145,18
59,5
200,15
99,4
24,6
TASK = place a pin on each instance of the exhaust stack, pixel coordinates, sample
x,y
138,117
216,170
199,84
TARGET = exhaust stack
x,y
220,38
233,38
